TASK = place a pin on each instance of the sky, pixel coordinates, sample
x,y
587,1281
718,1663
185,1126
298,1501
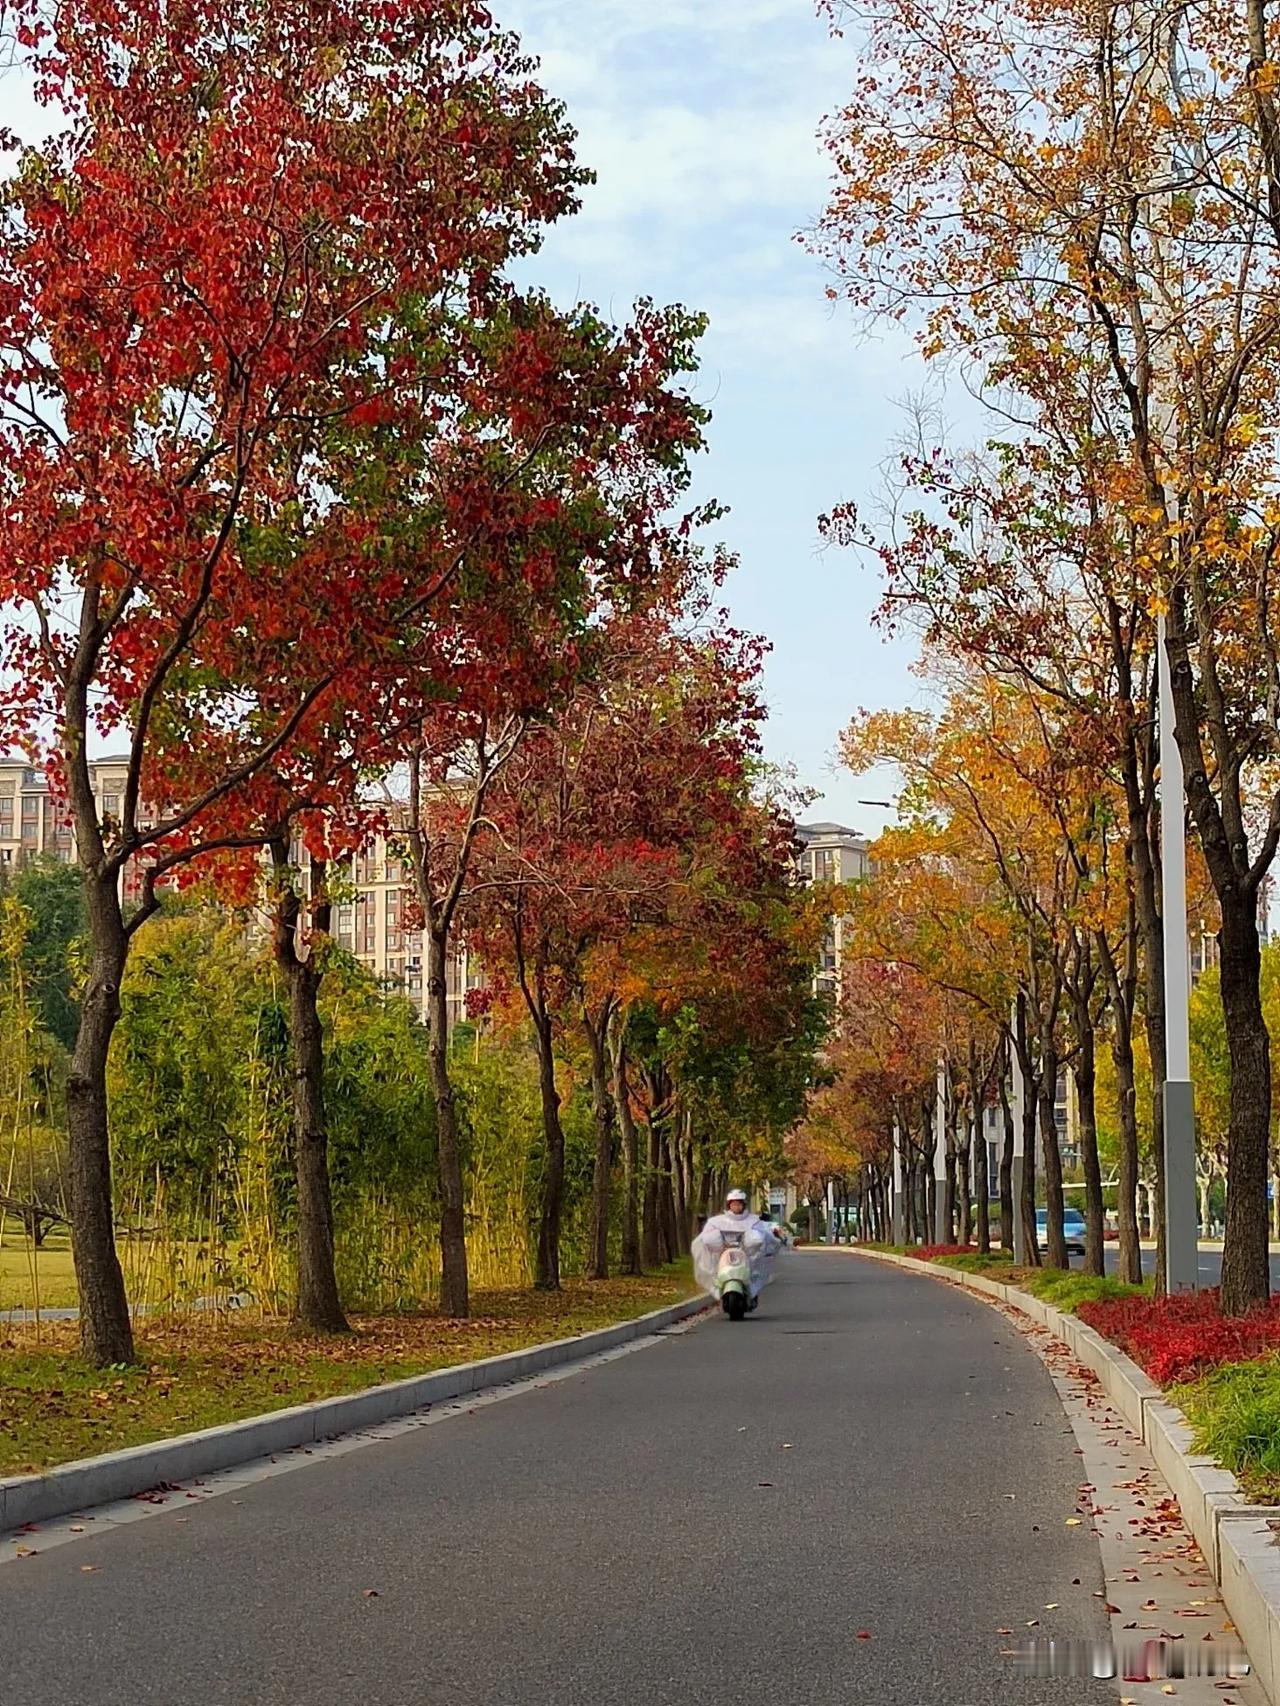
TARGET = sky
x,y
700,119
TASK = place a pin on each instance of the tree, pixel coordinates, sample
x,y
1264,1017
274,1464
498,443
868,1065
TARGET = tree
x,y
1091,225
236,261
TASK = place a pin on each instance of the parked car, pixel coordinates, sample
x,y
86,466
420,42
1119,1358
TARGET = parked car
x,y
1072,1227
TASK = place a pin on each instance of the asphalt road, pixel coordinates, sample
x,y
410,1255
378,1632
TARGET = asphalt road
x,y
1210,1265
843,1499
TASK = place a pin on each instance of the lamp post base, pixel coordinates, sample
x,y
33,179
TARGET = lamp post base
x,y
1181,1228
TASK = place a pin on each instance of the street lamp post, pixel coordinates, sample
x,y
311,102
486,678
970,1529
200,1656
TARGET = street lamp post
x,y
1182,1261
899,1226
1019,1088
941,1231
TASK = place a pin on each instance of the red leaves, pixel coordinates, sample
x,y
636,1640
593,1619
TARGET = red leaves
x,y
1175,1338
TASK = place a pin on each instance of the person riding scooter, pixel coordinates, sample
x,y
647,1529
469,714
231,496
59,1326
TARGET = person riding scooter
x,y
734,1229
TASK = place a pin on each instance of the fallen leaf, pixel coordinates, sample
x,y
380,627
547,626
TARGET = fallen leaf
x,y
864,1634
371,1593
87,1569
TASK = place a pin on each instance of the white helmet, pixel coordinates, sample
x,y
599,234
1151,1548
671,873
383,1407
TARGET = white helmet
x,y
735,1195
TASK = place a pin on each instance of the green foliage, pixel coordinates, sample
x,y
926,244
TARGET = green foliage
x,y
976,1263
1068,1290
53,896
1235,1413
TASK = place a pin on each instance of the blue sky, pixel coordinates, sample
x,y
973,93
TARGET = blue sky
x,y
700,119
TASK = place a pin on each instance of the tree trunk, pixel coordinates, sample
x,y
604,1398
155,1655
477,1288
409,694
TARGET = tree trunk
x,y
547,1269
318,1304
455,1300
966,1195
630,1152
1006,1163
679,1177
1086,1090
1129,1267
1246,1278
703,1206
602,1112
1030,1128
106,1335
651,1246
666,1194
1055,1242
949,1197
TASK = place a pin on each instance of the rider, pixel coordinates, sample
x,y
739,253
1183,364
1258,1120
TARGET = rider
x,y
758,1238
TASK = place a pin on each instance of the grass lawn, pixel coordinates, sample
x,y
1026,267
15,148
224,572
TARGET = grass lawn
x,y
54,1273
197,1374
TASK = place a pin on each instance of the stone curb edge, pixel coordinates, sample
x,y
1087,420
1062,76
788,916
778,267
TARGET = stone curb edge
x,y
1240,1541
139,1469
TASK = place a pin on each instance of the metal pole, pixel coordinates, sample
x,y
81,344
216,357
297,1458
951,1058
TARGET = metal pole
x,y
1018,1098
899,1224
941,1231
1182,1258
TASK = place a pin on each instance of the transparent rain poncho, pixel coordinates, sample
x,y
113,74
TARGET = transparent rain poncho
x,y
757,1241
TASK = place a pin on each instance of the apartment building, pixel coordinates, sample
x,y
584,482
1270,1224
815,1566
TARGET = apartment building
x,y
830,853
370,923
34,823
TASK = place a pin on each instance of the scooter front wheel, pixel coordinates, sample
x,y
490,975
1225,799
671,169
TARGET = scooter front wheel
x,y
735,1305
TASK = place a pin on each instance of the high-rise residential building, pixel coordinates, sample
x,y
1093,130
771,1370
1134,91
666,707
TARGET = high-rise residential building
x,y
369,920
34,823
830,853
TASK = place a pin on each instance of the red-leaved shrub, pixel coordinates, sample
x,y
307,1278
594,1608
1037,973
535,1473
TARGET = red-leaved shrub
x,y
1176,1338
927,1252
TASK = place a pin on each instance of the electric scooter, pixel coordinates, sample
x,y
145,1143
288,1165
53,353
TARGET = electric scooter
x,y
733,1280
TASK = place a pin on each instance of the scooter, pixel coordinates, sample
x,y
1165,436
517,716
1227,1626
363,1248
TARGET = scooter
x,y
733,1281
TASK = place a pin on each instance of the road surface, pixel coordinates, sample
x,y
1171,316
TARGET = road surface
x,y
845,1498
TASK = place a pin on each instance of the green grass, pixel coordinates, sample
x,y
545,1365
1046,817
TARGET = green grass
x,y
53,1273
1067,1290
201,1373
1235,1415
974,1264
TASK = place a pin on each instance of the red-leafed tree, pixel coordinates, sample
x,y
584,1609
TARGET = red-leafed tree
x,y
609,828
241,264
539,505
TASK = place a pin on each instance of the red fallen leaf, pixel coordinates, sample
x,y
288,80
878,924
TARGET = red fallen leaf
x,y
864,1635
371,1593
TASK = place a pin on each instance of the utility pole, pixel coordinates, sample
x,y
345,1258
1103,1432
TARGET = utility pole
x,y
1182,1259
899,1222
1181,1226
1018,1098
941,1231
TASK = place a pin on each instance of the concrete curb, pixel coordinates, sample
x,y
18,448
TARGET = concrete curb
x,y
141,1468
1240,1541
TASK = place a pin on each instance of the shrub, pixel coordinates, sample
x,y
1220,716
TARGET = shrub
x,y
1071,1291
1176,1338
